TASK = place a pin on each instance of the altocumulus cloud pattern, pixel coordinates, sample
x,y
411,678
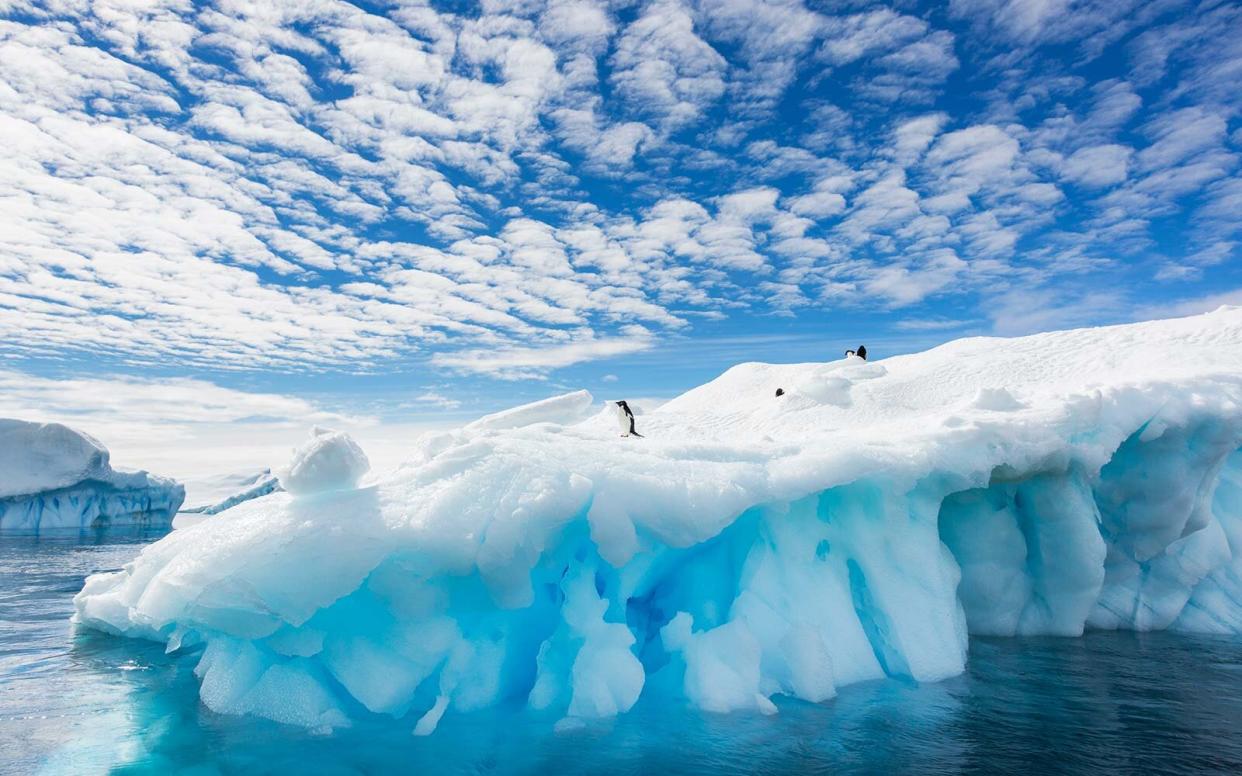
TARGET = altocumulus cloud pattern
x,y
504,189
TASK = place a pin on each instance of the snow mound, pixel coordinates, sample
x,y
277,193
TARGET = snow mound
x,y
856,528
54,477
997,399
329,461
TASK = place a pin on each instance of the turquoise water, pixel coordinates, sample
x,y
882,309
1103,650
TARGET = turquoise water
x,y
81,703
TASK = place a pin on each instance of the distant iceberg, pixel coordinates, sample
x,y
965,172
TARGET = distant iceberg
x,y
54,477
858,526
242,488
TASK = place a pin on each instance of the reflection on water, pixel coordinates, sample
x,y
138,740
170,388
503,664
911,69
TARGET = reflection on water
x,y
88,703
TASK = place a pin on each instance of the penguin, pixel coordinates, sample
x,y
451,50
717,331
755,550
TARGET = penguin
x,y
862,352
780,392
626,418
849,353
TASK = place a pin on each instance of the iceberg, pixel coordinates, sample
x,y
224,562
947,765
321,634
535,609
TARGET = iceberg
x,y
54,477
244,487
858,527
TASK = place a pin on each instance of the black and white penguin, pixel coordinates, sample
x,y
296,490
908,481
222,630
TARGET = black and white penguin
x,y
862,352
625,417
780,392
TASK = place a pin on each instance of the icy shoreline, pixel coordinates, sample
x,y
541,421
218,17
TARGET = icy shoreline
x,y
855,528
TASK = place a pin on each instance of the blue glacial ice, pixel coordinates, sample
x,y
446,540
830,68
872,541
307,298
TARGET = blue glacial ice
x,y
858,527
53,477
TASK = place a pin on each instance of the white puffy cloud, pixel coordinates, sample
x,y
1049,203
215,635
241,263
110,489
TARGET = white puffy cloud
x,y
903,56
1098,166
664,69
771,38
523,363
1091,24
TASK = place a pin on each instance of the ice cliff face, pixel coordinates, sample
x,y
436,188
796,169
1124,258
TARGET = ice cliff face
x,y
860,526
53,477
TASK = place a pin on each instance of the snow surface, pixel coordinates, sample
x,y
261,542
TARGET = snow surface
x,y
750,545
54,477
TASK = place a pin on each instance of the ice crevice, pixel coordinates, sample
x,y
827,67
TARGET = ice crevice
x,y
746,548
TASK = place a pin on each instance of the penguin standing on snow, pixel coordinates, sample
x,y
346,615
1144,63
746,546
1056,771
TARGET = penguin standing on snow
x,y
625,417
861,352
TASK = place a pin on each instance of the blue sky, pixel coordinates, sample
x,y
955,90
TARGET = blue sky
x,y
403,211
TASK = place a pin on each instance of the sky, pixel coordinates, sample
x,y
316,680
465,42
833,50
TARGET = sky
x,y
221,222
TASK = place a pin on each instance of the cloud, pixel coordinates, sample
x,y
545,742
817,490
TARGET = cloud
x,y
127,400
343,187
913,137
1021,20
196,430
176,426
1098,166
1192,306
522,363
905,58
771,38
1090,24
436,399
851,38
1179,136
910,283
932,324
664,69
969,159
1028,311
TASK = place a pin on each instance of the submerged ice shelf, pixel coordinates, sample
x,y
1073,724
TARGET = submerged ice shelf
x,y
53,477
859,526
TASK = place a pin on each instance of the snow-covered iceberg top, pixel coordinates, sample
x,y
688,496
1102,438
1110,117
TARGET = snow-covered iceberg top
x,y
748,545
37,457
53,476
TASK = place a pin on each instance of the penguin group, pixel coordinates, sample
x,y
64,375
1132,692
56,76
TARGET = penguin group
x,y
625,416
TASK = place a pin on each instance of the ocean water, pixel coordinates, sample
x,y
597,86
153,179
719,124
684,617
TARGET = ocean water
x,y
83,703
